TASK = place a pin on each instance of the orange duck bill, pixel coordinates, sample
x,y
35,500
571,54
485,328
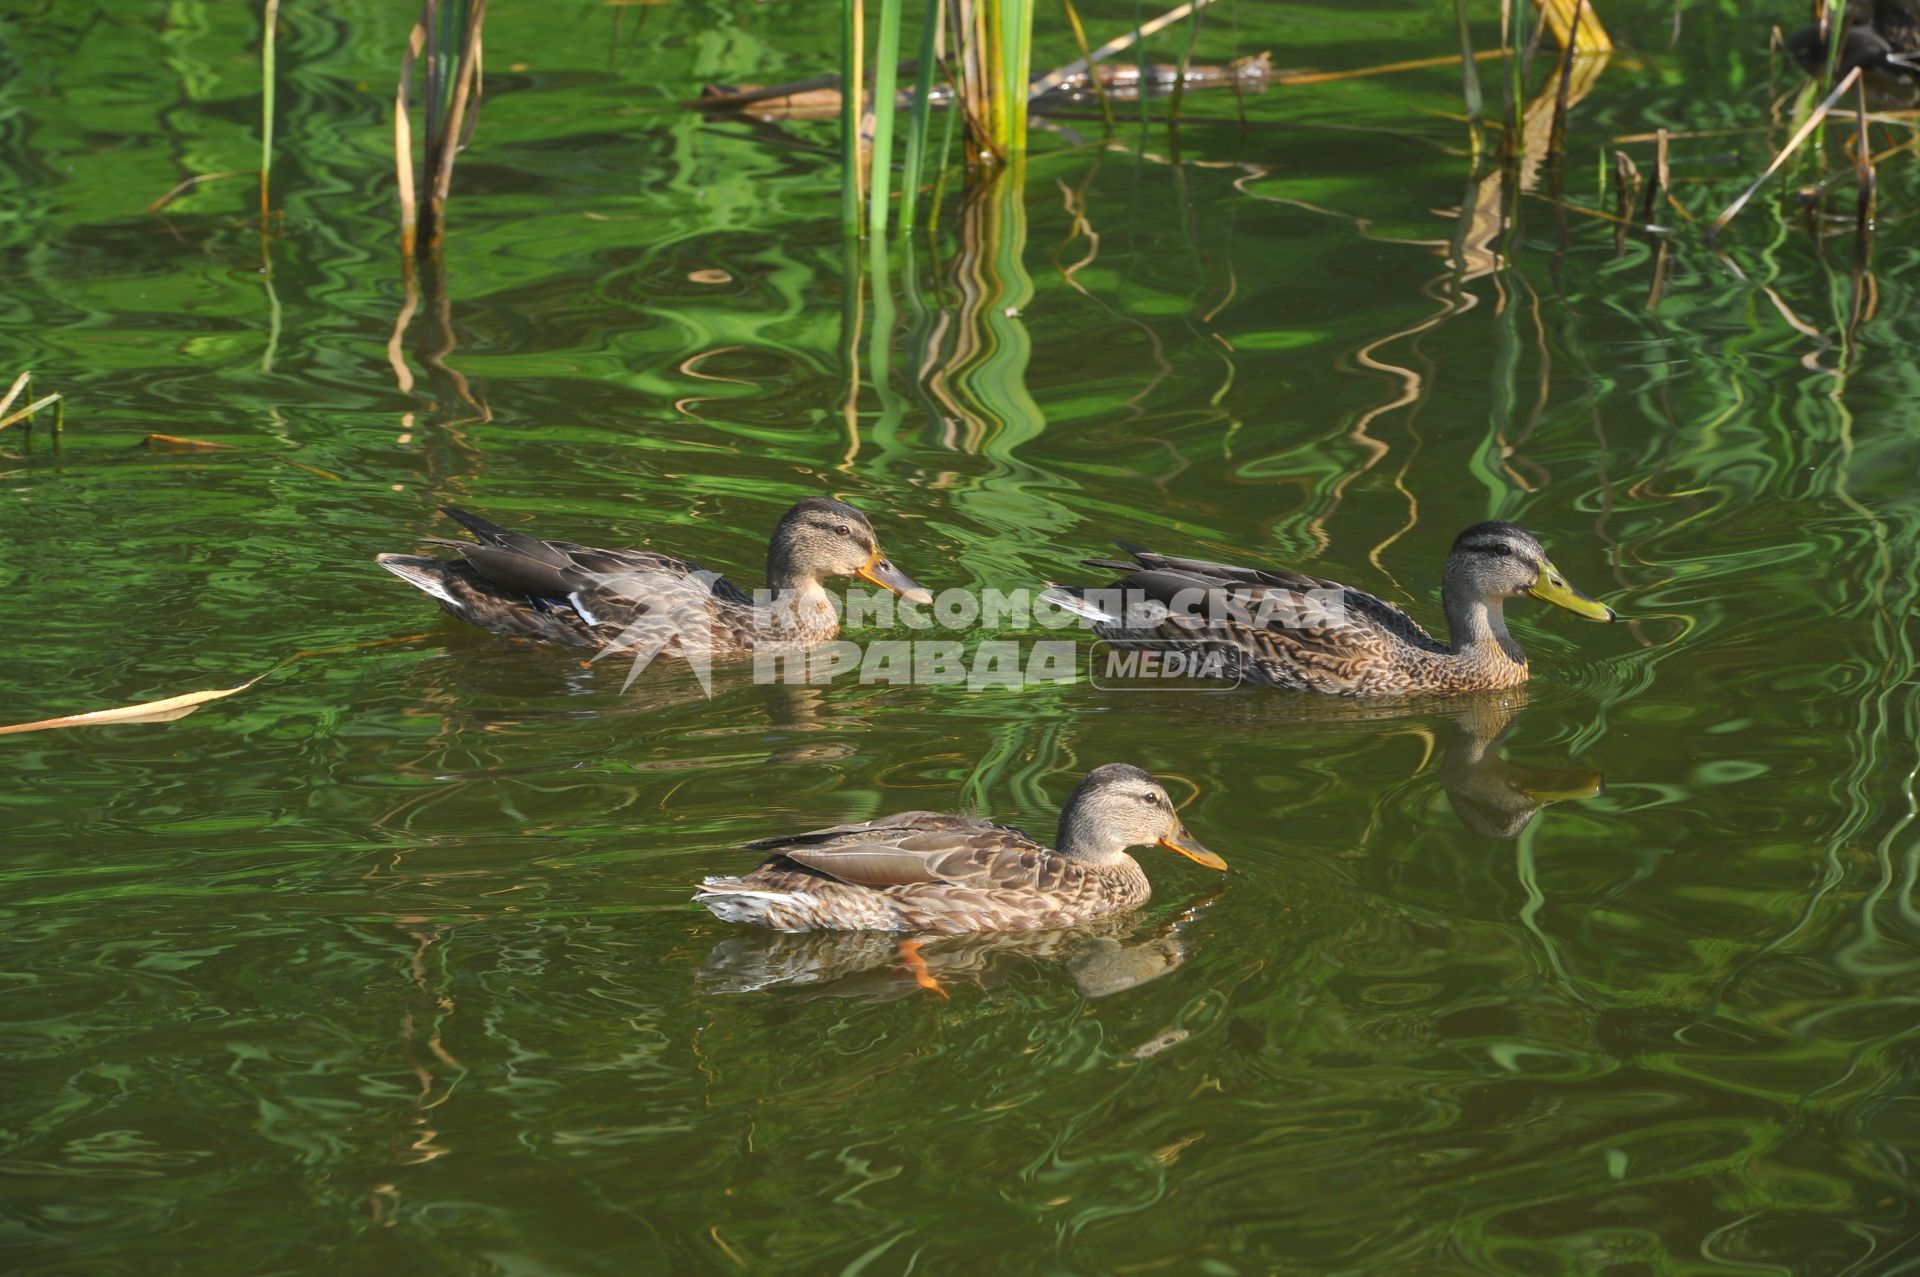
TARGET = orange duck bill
x,y
1189,846
888,577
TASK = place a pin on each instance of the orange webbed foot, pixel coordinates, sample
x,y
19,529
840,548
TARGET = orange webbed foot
x,y
917,968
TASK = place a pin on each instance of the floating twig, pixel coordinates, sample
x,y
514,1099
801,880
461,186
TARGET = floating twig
x,y
1081,66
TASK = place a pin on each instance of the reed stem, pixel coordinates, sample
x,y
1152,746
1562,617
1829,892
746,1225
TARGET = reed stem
x,y
269,22
885,77
853,50
910,177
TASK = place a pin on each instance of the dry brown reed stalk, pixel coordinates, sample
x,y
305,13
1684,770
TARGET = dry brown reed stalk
x,y
1557,135
1863,164
1060,75
187,184
452,110
1657,184
1626,181
181,443
1294,79
967,19
1812,122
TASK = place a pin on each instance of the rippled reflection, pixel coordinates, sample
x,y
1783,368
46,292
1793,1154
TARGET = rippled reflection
x,y
1105,957
1492,797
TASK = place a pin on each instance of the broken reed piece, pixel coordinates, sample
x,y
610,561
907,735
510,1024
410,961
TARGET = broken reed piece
x,y
1863,164
21,383
1812,122
1658,182
1557,130
1626,182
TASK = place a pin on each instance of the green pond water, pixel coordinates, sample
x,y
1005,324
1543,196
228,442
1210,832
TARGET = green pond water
x,y
387,964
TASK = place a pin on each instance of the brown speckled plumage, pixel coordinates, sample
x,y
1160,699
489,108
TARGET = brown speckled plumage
x,y
925,871
560,592
1304,633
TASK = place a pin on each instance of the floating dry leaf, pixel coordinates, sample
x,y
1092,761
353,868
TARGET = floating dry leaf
x,y
1154,1046
164,711
710,275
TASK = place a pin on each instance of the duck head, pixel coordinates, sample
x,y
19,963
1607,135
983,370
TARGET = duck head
x,y
1494,561
1116,807
820,538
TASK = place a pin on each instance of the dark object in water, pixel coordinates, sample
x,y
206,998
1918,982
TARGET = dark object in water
x,y
819,99
1881,37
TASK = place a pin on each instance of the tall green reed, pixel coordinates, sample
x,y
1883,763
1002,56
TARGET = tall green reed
x,y
853,79
269,21
911,170
988,55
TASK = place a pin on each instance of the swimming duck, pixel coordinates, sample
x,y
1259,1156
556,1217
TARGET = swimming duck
x,y
1302,633
1881,37
559,592
930,872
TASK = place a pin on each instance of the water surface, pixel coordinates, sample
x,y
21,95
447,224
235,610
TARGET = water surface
x,y
388,961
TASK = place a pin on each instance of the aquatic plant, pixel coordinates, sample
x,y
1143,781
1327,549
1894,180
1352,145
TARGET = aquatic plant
x,y
24,382
447,36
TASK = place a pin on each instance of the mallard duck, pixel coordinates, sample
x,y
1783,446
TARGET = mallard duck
x,y
1881,37
1302,633
559,592
925,871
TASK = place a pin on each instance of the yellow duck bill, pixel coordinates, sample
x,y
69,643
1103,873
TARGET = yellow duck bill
x,y
1552,588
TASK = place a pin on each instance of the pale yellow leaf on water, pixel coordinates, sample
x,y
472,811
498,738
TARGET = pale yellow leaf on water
x,y
164,711
711,275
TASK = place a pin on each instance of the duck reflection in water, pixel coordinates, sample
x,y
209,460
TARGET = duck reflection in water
x,y
1491,796
1116,953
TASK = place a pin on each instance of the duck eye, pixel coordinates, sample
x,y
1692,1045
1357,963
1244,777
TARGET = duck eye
x,y
1497,548
843,530
1151,800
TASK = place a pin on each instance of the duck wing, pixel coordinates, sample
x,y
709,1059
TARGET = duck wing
x,y
919,847
1333,614
1270,627
560,592
555,569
